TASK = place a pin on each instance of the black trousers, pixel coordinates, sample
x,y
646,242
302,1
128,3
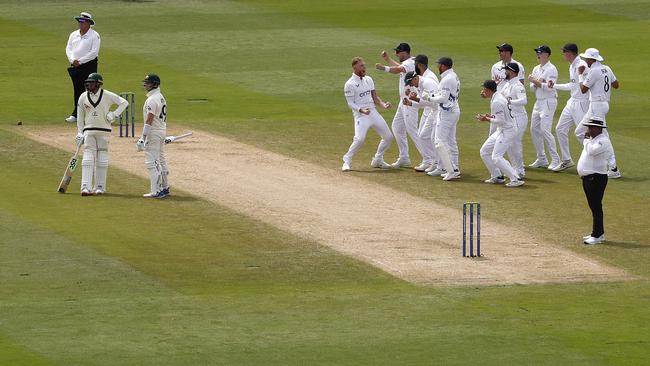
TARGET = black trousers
x,y
594,186
78,76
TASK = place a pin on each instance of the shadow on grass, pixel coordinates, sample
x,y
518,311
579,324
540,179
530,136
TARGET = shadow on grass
x,y
627,244
139,196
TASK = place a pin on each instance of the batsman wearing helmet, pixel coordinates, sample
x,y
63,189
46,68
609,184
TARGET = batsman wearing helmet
x,y
153,137
94,130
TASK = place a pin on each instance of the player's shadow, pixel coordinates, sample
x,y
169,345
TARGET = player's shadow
x,y
172,197
377,171
627,244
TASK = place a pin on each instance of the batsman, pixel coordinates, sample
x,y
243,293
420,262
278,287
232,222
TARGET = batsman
x,y
152,141
94,131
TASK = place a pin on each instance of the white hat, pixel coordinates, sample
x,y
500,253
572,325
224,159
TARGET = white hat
x,y
85,17
592,53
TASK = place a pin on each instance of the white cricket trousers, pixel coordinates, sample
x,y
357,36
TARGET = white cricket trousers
x,y
516,150
445,139
597,110
572,114
493,150
154,160
364,122
541,125
405,123
95,160
426,134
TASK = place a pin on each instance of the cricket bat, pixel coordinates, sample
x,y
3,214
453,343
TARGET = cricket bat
x,y
170,139
69,170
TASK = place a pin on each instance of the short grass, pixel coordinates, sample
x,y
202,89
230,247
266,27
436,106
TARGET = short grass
x,y
117,280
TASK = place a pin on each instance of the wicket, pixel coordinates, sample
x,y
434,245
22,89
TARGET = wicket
x,y
471,206
130,110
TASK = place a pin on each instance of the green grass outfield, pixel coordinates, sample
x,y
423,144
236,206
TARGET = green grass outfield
x,y
123,281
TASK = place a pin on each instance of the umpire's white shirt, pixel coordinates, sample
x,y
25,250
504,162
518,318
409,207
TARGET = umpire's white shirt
x,y
83,48
358,93
595,153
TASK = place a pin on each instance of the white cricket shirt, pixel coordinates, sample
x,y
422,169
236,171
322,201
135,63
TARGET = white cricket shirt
x,y
358,93
499,72
545,72
93,108
157,105
502,116
574,85
408,65
515,92
599,81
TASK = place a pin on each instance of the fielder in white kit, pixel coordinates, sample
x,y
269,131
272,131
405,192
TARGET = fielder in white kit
x,y
152,141
575,108
362,98
598,81
426,82
499,69
499,142
541,120
94,131
515,92
448,114
405,122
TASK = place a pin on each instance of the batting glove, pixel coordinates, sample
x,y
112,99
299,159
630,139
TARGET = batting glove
x,y
140,144
110,116
169,139
79,139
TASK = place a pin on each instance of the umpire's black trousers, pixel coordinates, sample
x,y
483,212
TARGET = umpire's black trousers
x,y
594,186
78,76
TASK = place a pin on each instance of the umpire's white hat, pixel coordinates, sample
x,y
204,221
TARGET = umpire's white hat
x,y
85,17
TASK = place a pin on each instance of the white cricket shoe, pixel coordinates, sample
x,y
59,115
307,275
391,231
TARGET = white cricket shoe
x,y
99,192
86,192
495,180
437,172
586,237
345,167
160,194
521,176
431,168
515,183
611,174
539,163
553,165
71,119
451,175
565,164
593,240
422,167
381,164
401,163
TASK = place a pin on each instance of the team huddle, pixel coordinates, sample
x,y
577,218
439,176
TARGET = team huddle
x,y
433,132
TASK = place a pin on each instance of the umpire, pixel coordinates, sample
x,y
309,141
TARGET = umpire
x,y
82,51
592,168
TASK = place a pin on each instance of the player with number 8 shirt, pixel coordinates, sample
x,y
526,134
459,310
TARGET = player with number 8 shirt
x,y
154,131
598,81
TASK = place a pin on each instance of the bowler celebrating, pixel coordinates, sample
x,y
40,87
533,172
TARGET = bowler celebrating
x,y
405,121
361,98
